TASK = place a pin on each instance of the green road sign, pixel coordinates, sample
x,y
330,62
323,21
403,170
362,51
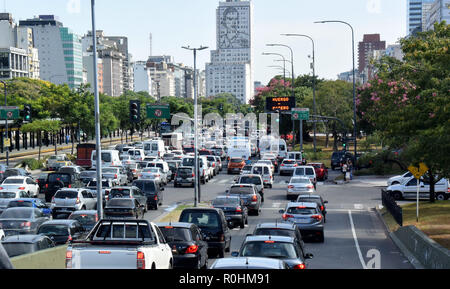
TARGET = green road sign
x,y
9,113
300,114
158,111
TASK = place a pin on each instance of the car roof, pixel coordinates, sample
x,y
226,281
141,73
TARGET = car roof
x,y
302,204
228,197
242,185
243,262
60,222
251,175
23,238
175,224
276,225
25,200
262,238
85,212
201,209
309,196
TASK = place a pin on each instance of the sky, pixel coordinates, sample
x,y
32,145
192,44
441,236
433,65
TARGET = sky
x,y
177,23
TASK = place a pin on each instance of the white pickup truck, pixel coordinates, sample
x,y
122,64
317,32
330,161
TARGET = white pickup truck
x,y
408,189
121,244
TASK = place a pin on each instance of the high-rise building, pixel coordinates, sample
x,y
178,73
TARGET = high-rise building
x,y
366,47
439,11
60,53
142,77
231,67
416,10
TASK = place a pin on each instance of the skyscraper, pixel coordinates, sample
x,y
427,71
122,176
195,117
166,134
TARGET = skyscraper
x,y
415,14
231,66
366,47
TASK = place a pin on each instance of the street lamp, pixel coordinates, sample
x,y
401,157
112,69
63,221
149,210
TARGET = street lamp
x,y
197,178
314,80
6,123
284,63
354,77
292,62
281,69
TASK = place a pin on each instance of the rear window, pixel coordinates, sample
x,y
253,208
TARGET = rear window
x,y
22,204
109,171
66,195
272,249
59,178
106,157
290,162
119,193
301,211
309,171
105,184
274,232
84,219
146,187
16,214
201,219
172,234
124,203
7,195
123,231
241,190
300,181
54,230
226,202
250,180
261,170
188,162
88,174
13,182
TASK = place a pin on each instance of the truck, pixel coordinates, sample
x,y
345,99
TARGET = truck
x,y
55,162
84,152
407,189
120,244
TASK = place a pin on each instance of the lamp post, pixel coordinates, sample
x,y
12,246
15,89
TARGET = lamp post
x,y
281,69
284,63
354,78
197,175
98,149
6,122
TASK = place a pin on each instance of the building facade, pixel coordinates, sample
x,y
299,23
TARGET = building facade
x,y
439,11
416,13
370,43
231,67
142,77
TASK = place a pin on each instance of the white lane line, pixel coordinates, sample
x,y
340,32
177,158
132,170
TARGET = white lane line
x,y
356,241
359,206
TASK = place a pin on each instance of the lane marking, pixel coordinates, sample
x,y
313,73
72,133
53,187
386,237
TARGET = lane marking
x,y
361,259
359,206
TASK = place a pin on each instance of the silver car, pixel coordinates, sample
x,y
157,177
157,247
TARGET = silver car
x,y
288,167
308,218
67,201
116,174
299,185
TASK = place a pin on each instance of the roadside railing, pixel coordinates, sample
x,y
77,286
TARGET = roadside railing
x,y
391,205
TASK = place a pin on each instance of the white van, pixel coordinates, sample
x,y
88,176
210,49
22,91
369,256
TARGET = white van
x,y
295,156
154,148
306,171
137,154
265,172
110,158
203,166
239,149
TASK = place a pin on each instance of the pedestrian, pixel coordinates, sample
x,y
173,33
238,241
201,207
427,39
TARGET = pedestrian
x,y
67,139
350,169
344,171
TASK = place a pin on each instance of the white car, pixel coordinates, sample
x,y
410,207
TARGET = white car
x,y
2,235
306,171
408,189
21,183
151,174
399,179
7,196
299,185
268,163
163,166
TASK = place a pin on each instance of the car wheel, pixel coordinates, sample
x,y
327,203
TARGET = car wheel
x,y
221,253
205,266
397,195
441,197
257,212
155,206
321,238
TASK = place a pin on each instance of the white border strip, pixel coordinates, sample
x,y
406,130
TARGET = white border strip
x,y
356,241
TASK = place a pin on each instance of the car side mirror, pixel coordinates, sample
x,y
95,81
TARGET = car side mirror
x,y
325,202
309,256
235,254
281,211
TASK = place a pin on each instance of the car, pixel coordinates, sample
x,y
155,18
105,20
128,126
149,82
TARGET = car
x,y
280,229
287,167
408,189
317,199
213,226
87,218
255,180
3,168
31,203
249,263
214,164
15,221
62,231
246,170
71,169
164,168
128,192
235,165
250,195
337,158
127,159
265,172
399,179
189,161
151,173
26,244
124,208
297,186
234,209
274,159
15,172
152,190
219,163
107,185
53,163
184,176
135,169
321,171
306,171
277,247
87,176
297,156
66,201
268,163
173,166
189,250
116,174
6,197
109,158
57,181
41,180
308,217
21,183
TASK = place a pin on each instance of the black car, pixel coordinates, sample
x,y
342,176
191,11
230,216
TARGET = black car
x,y
337,158
152,190
213,225
250,195
315,199
26,244
234,209
128,192
87,219
21,220
57,181
189,250
62,231
42,181
124,208
280,229
87,176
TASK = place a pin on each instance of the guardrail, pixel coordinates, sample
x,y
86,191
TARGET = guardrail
x,y
391,205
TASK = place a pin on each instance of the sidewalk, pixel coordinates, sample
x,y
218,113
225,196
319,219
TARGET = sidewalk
x,y
372,181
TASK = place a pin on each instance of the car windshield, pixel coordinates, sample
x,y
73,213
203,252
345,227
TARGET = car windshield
x,y
5,195
105,184
16,249
250,180
274,232
301,211
22,204
66,195
201,219
172,234
236,161
16,214
300,181
146,187
269,249
123,203
227,202
54,230
59,178
238,190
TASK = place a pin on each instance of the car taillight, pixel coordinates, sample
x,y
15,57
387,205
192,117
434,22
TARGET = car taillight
x,y
222,237
192,249
254,198
287,216
140,260
156,198
69,186
322,208
68,259
115,176
310,186
78,200
295,165
26,224
238,210
69,238
22,188
317,217
290,187
300,266
1,188
46,186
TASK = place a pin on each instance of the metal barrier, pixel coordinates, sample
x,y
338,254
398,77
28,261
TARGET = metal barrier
x,y
391,205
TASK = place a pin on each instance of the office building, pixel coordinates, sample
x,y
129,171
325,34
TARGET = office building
x,y
416,12
142,77
370,43
439,11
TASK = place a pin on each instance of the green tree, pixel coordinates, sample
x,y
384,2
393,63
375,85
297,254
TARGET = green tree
x,y
39,126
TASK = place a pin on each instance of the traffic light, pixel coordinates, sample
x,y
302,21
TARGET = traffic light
x,y
135,111
27,110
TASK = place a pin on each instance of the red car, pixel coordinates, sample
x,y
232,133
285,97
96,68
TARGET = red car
x,y
321,171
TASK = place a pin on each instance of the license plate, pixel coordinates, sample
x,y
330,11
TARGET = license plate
x,y
301,220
